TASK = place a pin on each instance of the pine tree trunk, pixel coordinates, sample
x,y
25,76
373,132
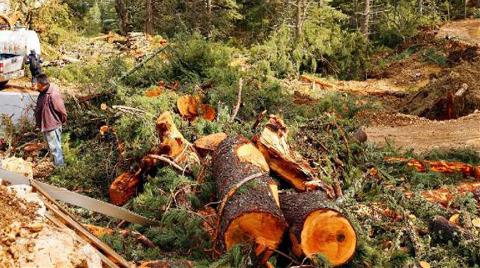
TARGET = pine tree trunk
x,y
122,12
366,22
420,7
209,18
251,212
299,20
148,17
316,227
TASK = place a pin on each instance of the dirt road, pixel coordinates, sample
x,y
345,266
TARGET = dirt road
x,y
424,135
464,30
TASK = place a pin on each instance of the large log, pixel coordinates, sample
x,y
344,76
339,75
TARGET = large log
x,y
317,227
286,163
250,210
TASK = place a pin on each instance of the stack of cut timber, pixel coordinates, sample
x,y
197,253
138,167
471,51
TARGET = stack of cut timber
x,y
251,210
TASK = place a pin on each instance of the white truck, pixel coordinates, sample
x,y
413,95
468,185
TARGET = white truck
x,y
15,45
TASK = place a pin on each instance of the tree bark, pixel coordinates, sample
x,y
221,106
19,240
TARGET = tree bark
x,y
366,22
251,211
122,12
317,227
443,231
148,17
299,20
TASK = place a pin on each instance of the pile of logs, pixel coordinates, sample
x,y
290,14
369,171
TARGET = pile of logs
x,y
250,207
253,210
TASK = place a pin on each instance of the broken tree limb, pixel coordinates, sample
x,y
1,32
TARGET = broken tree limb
x,y
259,119
166,160
239,100
286,163
317,227
173,144
250,210
124,187
208,144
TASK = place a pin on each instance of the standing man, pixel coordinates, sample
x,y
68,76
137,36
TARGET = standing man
x,y
35,64
50,115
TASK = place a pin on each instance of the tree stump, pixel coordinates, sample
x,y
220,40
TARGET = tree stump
x,y
251,211
317,227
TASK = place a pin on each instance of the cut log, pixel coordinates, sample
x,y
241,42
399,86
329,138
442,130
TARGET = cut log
x,y
444,196
439,166
124,188
317,227
286,163
208,144
190,107
442,230
173,144
249,212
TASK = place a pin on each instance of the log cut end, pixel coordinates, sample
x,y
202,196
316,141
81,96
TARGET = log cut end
x,y
248,153
124,188
264,229
326,232
208,144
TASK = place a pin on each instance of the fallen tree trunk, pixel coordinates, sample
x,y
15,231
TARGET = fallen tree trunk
x,y
445,196
286,163
124,187
317,228
250,210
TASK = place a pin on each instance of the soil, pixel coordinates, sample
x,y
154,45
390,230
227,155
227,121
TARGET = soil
x,y
464,30
423,135
454,94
